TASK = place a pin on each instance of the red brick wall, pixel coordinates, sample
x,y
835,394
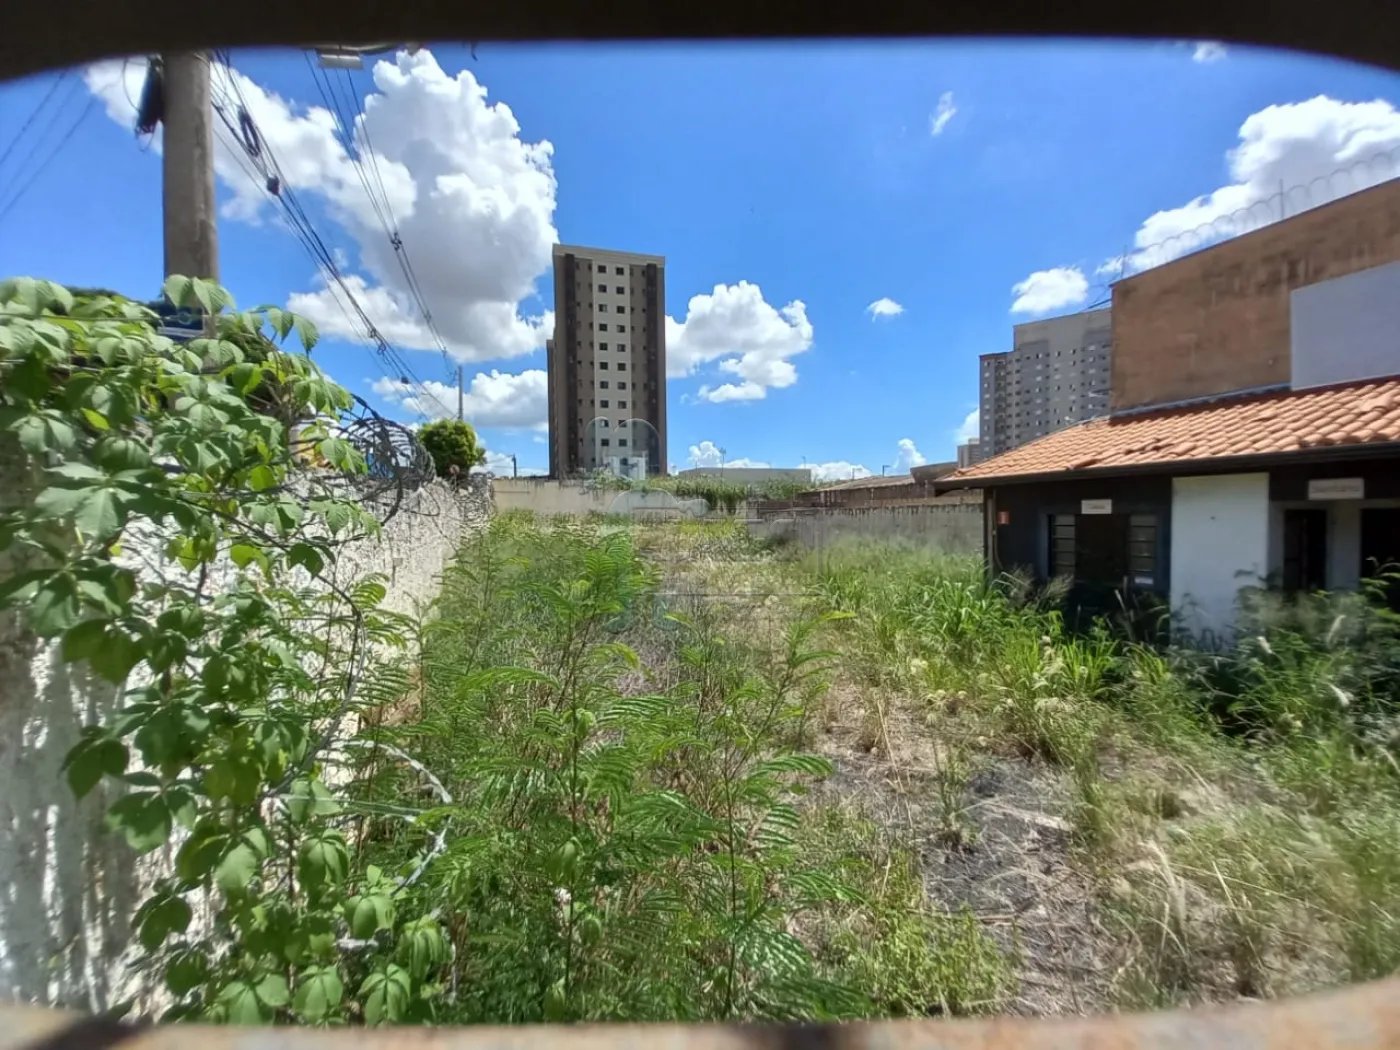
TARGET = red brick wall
x,y
1217,320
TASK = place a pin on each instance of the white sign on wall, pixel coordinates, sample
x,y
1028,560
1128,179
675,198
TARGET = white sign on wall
x,y
1096,506
1337,488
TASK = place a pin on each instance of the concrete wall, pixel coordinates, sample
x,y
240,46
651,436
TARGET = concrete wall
x,y
750,475
578,499
1346,329
545,496
1218,320
68,887
1219,543
956,528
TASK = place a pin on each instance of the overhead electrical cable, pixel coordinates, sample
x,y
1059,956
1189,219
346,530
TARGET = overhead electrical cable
x,y
233,111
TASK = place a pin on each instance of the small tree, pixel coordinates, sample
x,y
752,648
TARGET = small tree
x,y
452,443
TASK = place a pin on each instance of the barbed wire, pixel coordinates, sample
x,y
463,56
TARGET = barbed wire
x,y
1369,171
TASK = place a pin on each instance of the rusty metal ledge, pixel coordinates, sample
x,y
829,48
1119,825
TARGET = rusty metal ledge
x,y
1366,1017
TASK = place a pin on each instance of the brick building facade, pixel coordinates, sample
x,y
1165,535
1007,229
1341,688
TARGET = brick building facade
x,y
1218,320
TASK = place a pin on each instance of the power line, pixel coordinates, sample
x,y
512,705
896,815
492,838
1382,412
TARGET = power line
x,y
349,121
248,137
53,89
38,169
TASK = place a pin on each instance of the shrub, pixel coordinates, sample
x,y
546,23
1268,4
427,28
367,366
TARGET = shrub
x,y
451,443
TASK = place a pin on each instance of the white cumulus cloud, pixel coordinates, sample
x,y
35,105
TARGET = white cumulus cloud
x,y
836,470
751,339
1047,290
884,307
971,427
1208,51
945,112
1298,155
495,399
502,464
471,201
708,454
908,457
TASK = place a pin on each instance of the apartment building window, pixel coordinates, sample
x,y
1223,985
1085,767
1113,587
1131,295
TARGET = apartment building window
x,y
620,290
602,346
602,287
621,385
602,404
620,271
603,385
605,441
622,309
603,365
603,326
622,404
622,442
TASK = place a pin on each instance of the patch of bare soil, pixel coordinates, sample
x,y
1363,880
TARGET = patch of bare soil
x,y
991,834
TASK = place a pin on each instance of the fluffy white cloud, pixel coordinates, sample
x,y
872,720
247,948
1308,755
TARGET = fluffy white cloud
x,y
750,338
1047,290
708,454
472,202
495,399
885,307
945,112
1315,151
971,427
836,470
501,463
1208,51
909,456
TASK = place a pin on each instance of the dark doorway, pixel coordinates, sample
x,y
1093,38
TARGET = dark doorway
x,y
1101,556
1112,563
1380,549
1304,550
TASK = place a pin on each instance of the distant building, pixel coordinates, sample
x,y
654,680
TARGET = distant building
x,y
607,363
1253,436
969,453
751,475
1056,374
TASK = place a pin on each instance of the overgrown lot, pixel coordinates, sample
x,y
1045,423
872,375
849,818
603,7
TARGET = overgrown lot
x,y
1233,818
694,779
623,788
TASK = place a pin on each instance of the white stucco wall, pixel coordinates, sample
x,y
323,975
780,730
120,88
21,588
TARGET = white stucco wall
x,y
543,496
1345,329
68,888
1219,543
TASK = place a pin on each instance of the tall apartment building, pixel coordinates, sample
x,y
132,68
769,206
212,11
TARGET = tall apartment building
x,y
607,363
1056,373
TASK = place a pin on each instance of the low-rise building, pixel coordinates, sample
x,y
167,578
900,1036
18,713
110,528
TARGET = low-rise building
x,y
1255,438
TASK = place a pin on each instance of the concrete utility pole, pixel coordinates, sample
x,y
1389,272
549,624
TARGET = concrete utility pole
x,y
191,226
461,416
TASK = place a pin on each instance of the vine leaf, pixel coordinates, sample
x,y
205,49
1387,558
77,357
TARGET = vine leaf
x,y
319,990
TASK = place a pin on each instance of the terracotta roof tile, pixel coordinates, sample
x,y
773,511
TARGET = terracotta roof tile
x,y
1252,425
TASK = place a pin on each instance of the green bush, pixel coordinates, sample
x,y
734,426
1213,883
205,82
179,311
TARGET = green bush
x,y
451,443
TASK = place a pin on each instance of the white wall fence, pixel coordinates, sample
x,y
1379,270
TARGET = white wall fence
x,y
579,499
68,886
952,527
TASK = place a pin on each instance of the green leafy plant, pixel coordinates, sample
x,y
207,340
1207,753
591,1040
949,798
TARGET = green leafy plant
x,y
452,444
239,661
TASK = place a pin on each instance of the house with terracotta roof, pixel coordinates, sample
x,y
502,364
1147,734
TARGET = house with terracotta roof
x,y
1253,436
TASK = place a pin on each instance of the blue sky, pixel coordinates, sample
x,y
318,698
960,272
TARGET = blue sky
x,y
807,182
